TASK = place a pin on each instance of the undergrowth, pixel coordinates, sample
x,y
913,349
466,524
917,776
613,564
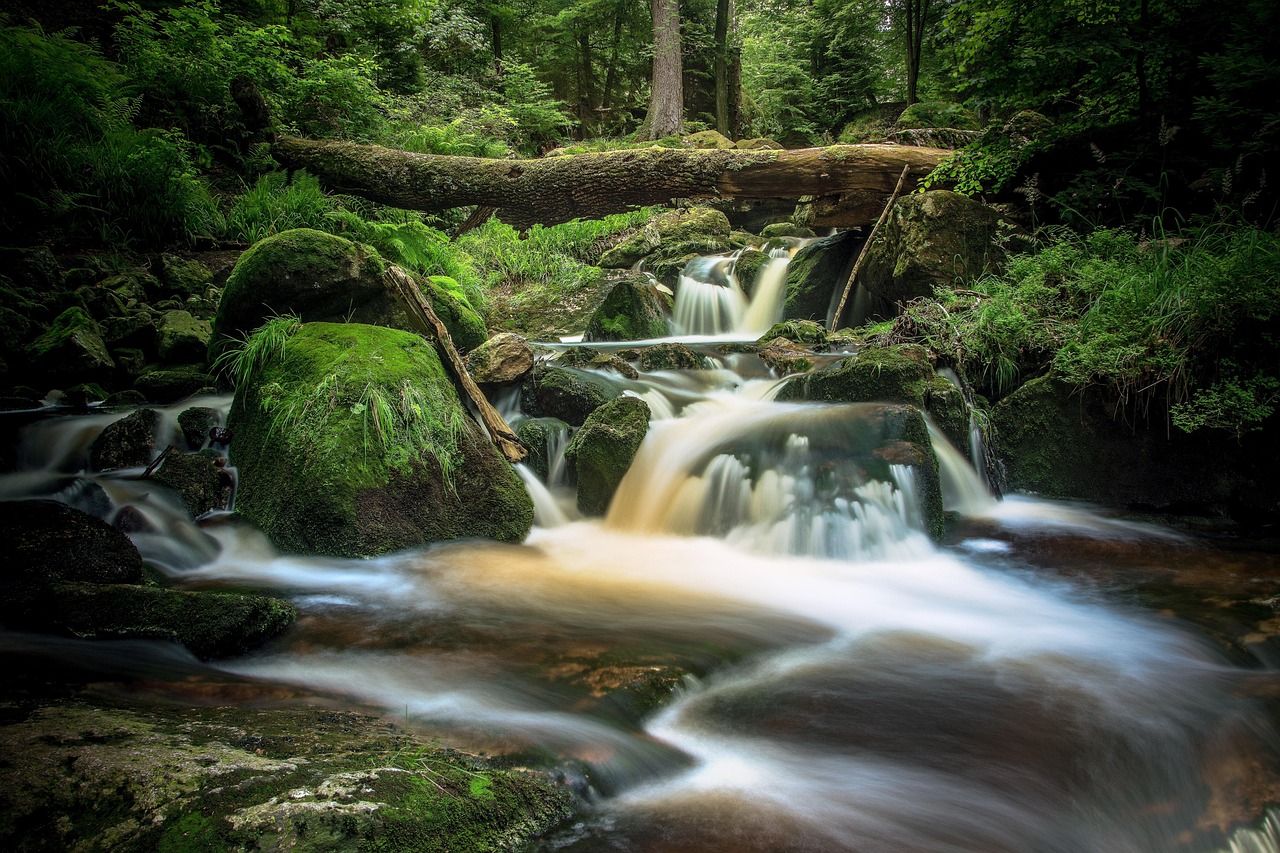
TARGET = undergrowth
x,y
1188,321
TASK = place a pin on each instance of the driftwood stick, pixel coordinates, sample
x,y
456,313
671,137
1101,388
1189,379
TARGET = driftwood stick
x,y
419,310
853,274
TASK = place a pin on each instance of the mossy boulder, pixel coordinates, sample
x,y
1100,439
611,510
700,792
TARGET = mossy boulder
x,y
590,358
895,374
86,777
797,331
757,143
747,266
182,277
785,356
135,330
352,441
464,325
170,384
318,276
542,437
787,229
817,274
504,358
199,480
938,114
930,241
707,139
127,443
634,310
672,356
183,338
195,423
49,542
71,349
602,451
566,393
906,441
693,227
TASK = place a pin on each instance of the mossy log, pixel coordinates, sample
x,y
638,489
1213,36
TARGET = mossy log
x,y
849,182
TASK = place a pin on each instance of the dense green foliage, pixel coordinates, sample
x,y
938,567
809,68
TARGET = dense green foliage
x,y
1184,321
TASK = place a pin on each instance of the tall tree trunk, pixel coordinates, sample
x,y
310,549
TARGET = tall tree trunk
x,y
495,34
724,18
611,76
915,13
666,95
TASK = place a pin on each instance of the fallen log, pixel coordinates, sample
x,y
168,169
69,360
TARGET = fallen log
x,y
847,183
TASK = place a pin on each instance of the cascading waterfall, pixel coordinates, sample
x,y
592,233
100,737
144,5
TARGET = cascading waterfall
x,y
710,301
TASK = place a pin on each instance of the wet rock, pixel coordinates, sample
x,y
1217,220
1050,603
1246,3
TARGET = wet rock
x,y
747,268
209,624
370,413
504,358
634,310
785,356
798,331
88,497
787,229
71,349
672,357
183,338
195,424
602,451
817,274
127,443
126,399
590,358
695,226
200,481
170,384
929,241
465,326
80,396
566,393
130,519
540,436
896,374
81,777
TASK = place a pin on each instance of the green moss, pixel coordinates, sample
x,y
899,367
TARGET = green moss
x,y
353,442
632,311
537,434
566,393
797,331
602,451
747,267
197,479
465,326
816,273
169,384
672,356
71,348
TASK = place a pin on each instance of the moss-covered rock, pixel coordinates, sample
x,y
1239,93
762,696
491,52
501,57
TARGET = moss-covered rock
x,y
49,542
170,384
182,277
938,114
71,349
785,356
895,374
633,311
126,399
465,326
200,481
86,777
183,338
786,229
797,331
672,356
747,266
127,443
195,423
318,276
566,393
352,442
757,143
930,241
135,330
696,226
542,437
707,139
602,451
590,358
907,442
818,273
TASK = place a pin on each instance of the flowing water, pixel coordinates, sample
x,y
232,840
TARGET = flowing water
x,y
841,682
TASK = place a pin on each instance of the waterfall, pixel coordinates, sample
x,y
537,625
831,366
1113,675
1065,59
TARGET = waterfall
x,y
710,301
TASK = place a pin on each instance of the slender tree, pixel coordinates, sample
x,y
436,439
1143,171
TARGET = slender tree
x,y
727,88
666,96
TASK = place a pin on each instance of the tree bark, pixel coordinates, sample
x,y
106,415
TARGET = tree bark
x,y
666,94
724,15
846,183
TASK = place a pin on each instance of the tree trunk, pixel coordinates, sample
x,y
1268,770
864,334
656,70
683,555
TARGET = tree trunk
x,y
666,95
848,183
724,14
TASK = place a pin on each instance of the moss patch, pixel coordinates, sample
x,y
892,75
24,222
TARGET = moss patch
x,y
602,451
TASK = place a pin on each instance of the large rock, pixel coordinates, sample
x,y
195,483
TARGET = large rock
x,y
896,374
501,359
49,542
817,274
930,241
199,480
127,443
602,451
672,356
351,441
170,384
634,310
71,350
466,328
676,232
195,423
566,393
78,776
747,267
181,277
184,339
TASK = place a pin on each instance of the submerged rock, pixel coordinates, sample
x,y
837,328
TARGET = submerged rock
x,y
896,374
195,424
539,435
127,443
818,273
200,481
82,777
634,310
504,358
566,393
603,450
352,442
591,358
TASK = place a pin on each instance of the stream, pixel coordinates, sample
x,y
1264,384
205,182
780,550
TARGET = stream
x,y
1049,678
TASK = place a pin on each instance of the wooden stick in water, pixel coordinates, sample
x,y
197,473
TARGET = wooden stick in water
x,y
848,285
419,310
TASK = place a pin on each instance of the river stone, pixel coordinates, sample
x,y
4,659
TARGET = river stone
x,y
566,393
672,356
634,310
316,477
590,358
746,268
895,374
81,776
504,358
201,483
71,349
785,356
183,338
127,443
539,436
182,277
134,330
787,229
798,331
817,274
696,226
928,242
170,384
195,424
602,451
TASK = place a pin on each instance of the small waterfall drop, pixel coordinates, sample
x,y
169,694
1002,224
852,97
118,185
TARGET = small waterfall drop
x,y
770,294
710,300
